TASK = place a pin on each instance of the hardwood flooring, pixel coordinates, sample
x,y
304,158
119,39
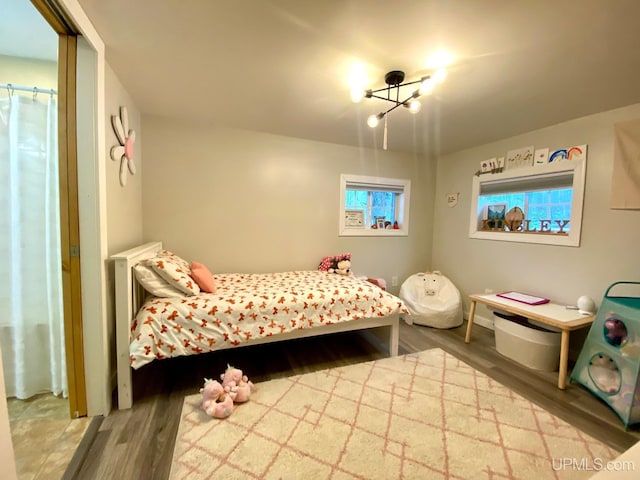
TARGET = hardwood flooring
x,y
138,443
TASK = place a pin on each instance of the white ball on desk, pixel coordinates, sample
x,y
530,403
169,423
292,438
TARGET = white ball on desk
x,y
586,305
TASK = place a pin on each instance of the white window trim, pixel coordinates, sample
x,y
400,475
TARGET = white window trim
x,y
404,201
578,167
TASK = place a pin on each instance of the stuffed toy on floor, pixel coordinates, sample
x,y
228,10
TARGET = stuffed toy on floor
x,y
217,401
238,384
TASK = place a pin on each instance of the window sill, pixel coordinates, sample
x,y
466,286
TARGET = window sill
x,y
541,238
371,232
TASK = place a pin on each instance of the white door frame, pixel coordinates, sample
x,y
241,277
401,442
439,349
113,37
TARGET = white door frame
x,y
92,154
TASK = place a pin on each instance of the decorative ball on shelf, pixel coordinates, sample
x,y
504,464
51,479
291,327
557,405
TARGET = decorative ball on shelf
x,y
514,218
586,305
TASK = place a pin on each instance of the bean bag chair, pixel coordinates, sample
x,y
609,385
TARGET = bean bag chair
x,y
433,300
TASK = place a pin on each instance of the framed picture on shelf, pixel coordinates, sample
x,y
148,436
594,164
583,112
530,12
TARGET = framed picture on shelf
x,y
354,218
488,165
521,157
380,223
495,214
541,156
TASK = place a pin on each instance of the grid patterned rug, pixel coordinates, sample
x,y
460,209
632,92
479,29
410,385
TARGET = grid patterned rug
x,y
420,416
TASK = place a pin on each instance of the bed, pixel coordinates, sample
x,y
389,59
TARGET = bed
x,y
246,309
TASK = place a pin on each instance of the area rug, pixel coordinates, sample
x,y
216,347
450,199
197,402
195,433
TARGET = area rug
x,y
425,415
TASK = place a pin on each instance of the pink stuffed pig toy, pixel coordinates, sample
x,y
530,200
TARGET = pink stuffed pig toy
x,y
238,384
217,400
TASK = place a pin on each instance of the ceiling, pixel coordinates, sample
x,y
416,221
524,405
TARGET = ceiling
x,y
282,66
24,33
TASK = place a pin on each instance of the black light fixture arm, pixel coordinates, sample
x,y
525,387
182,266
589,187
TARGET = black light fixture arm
x,y
397,104
397,86
370,93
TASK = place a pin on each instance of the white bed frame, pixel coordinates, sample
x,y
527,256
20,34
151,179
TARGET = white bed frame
x,y
129,297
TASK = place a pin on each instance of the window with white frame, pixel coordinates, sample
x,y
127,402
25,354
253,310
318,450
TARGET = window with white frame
x,y
373,206
550,197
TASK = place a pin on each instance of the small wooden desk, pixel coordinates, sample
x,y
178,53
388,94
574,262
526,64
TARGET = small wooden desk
x,y
549,313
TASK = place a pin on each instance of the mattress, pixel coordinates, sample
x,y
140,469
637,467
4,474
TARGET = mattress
x,y
246,307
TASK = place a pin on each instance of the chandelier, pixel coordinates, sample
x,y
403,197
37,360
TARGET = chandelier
x,y
391,93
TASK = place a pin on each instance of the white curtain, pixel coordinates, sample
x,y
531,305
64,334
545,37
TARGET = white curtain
x,y
31,322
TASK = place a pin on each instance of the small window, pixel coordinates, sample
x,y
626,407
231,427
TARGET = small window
x,y
549,196
373,206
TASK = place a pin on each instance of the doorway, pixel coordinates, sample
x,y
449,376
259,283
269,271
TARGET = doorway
x,y
44,434
45,22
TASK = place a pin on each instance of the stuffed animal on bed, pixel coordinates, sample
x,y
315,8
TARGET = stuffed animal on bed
x,y
340,264
217,401
240,388
343,267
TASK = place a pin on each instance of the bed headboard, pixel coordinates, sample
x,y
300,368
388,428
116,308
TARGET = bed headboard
x,y
129,296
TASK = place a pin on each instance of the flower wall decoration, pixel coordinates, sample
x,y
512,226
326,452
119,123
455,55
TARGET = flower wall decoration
x,y
124,150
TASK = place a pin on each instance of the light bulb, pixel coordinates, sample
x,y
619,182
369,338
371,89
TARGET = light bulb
x,y
426,87
414,106
439,59
357,94
440,75
373,120
358,76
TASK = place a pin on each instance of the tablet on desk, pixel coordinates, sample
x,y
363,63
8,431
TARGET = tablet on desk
x,y
523,298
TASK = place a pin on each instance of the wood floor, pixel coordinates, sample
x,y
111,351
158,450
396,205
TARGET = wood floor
x,y
138,443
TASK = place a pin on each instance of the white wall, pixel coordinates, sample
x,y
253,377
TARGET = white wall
x,y
253,202
124,213
124,204
609,246
28,72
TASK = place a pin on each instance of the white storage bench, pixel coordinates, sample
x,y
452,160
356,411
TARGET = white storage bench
x,y
549,314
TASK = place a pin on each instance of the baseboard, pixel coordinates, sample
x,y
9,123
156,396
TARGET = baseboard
x,y
483,321
477,320
80,455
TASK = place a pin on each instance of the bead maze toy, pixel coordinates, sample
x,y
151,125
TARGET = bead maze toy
x,y
609,362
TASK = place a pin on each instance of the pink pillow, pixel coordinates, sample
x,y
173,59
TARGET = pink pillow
x,y
203,277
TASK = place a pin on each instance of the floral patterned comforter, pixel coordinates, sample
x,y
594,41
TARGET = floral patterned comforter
x,y
251,306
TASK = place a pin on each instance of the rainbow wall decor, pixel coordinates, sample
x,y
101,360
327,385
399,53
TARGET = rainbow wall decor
x,y
578,152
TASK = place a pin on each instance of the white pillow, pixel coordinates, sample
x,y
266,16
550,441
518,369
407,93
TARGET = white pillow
x,y
182,263
153,283
175,273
